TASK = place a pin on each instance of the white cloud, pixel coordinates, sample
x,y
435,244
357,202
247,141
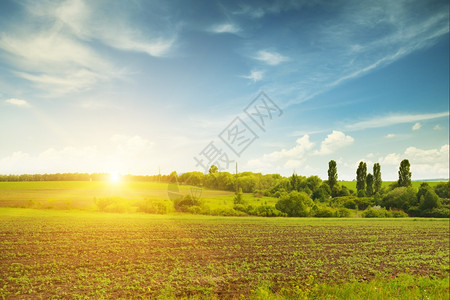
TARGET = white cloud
x,y
225,28
293,157
437,127
425,163
270,58
255,76
391,159
417,126
18,102
124,154
394,119
333,142
390,136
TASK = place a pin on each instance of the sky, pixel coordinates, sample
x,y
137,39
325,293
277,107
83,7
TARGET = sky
x,y
275,86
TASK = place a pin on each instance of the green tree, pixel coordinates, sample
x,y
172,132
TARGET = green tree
x,y
238,197
361,174
377,178
332,173
401,197
369,185
173,177
442,189
404,175
294,182
213,169
430,200
295,204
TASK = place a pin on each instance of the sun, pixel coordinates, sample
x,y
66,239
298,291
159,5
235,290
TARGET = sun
x,y
114,177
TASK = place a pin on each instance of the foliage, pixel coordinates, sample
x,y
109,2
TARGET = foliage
x,y
213,169
429,201
383,213
361,174
369,185
442,189
295,204
328,212
377,182
404,174
113,204
238,198
332,174
183,204
155,206
401,198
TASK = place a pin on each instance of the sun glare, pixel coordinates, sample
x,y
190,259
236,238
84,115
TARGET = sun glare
x,y
114,177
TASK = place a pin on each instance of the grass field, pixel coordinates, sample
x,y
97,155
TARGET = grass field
x,y
81,194
47,253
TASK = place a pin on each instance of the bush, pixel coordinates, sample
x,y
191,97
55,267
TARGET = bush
x,y
401,197
184,203
376,213
155,206
328,212
226,212
398,214
324,212
112,204
295,204
442,189
442,212
343,213
268,211
430,200
263,210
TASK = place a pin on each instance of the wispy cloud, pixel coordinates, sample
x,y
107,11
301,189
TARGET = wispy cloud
x,y
270,58
255,76
394,119
18,102
416,126
58,55
225,28
347,54
390,136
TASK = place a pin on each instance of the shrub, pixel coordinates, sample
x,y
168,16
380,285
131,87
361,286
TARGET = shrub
x,y
343,213
429,201
398,214
442,189
155,206
442,212
268,211
401,197
376,213
295,204
184,203
324,212
112,204
226,212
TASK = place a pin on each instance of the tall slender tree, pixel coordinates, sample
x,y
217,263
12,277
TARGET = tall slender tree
x,y
361,174
332,173
369,185
404,174
377,178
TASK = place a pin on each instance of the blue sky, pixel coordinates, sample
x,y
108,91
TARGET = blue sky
x,y
131,87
